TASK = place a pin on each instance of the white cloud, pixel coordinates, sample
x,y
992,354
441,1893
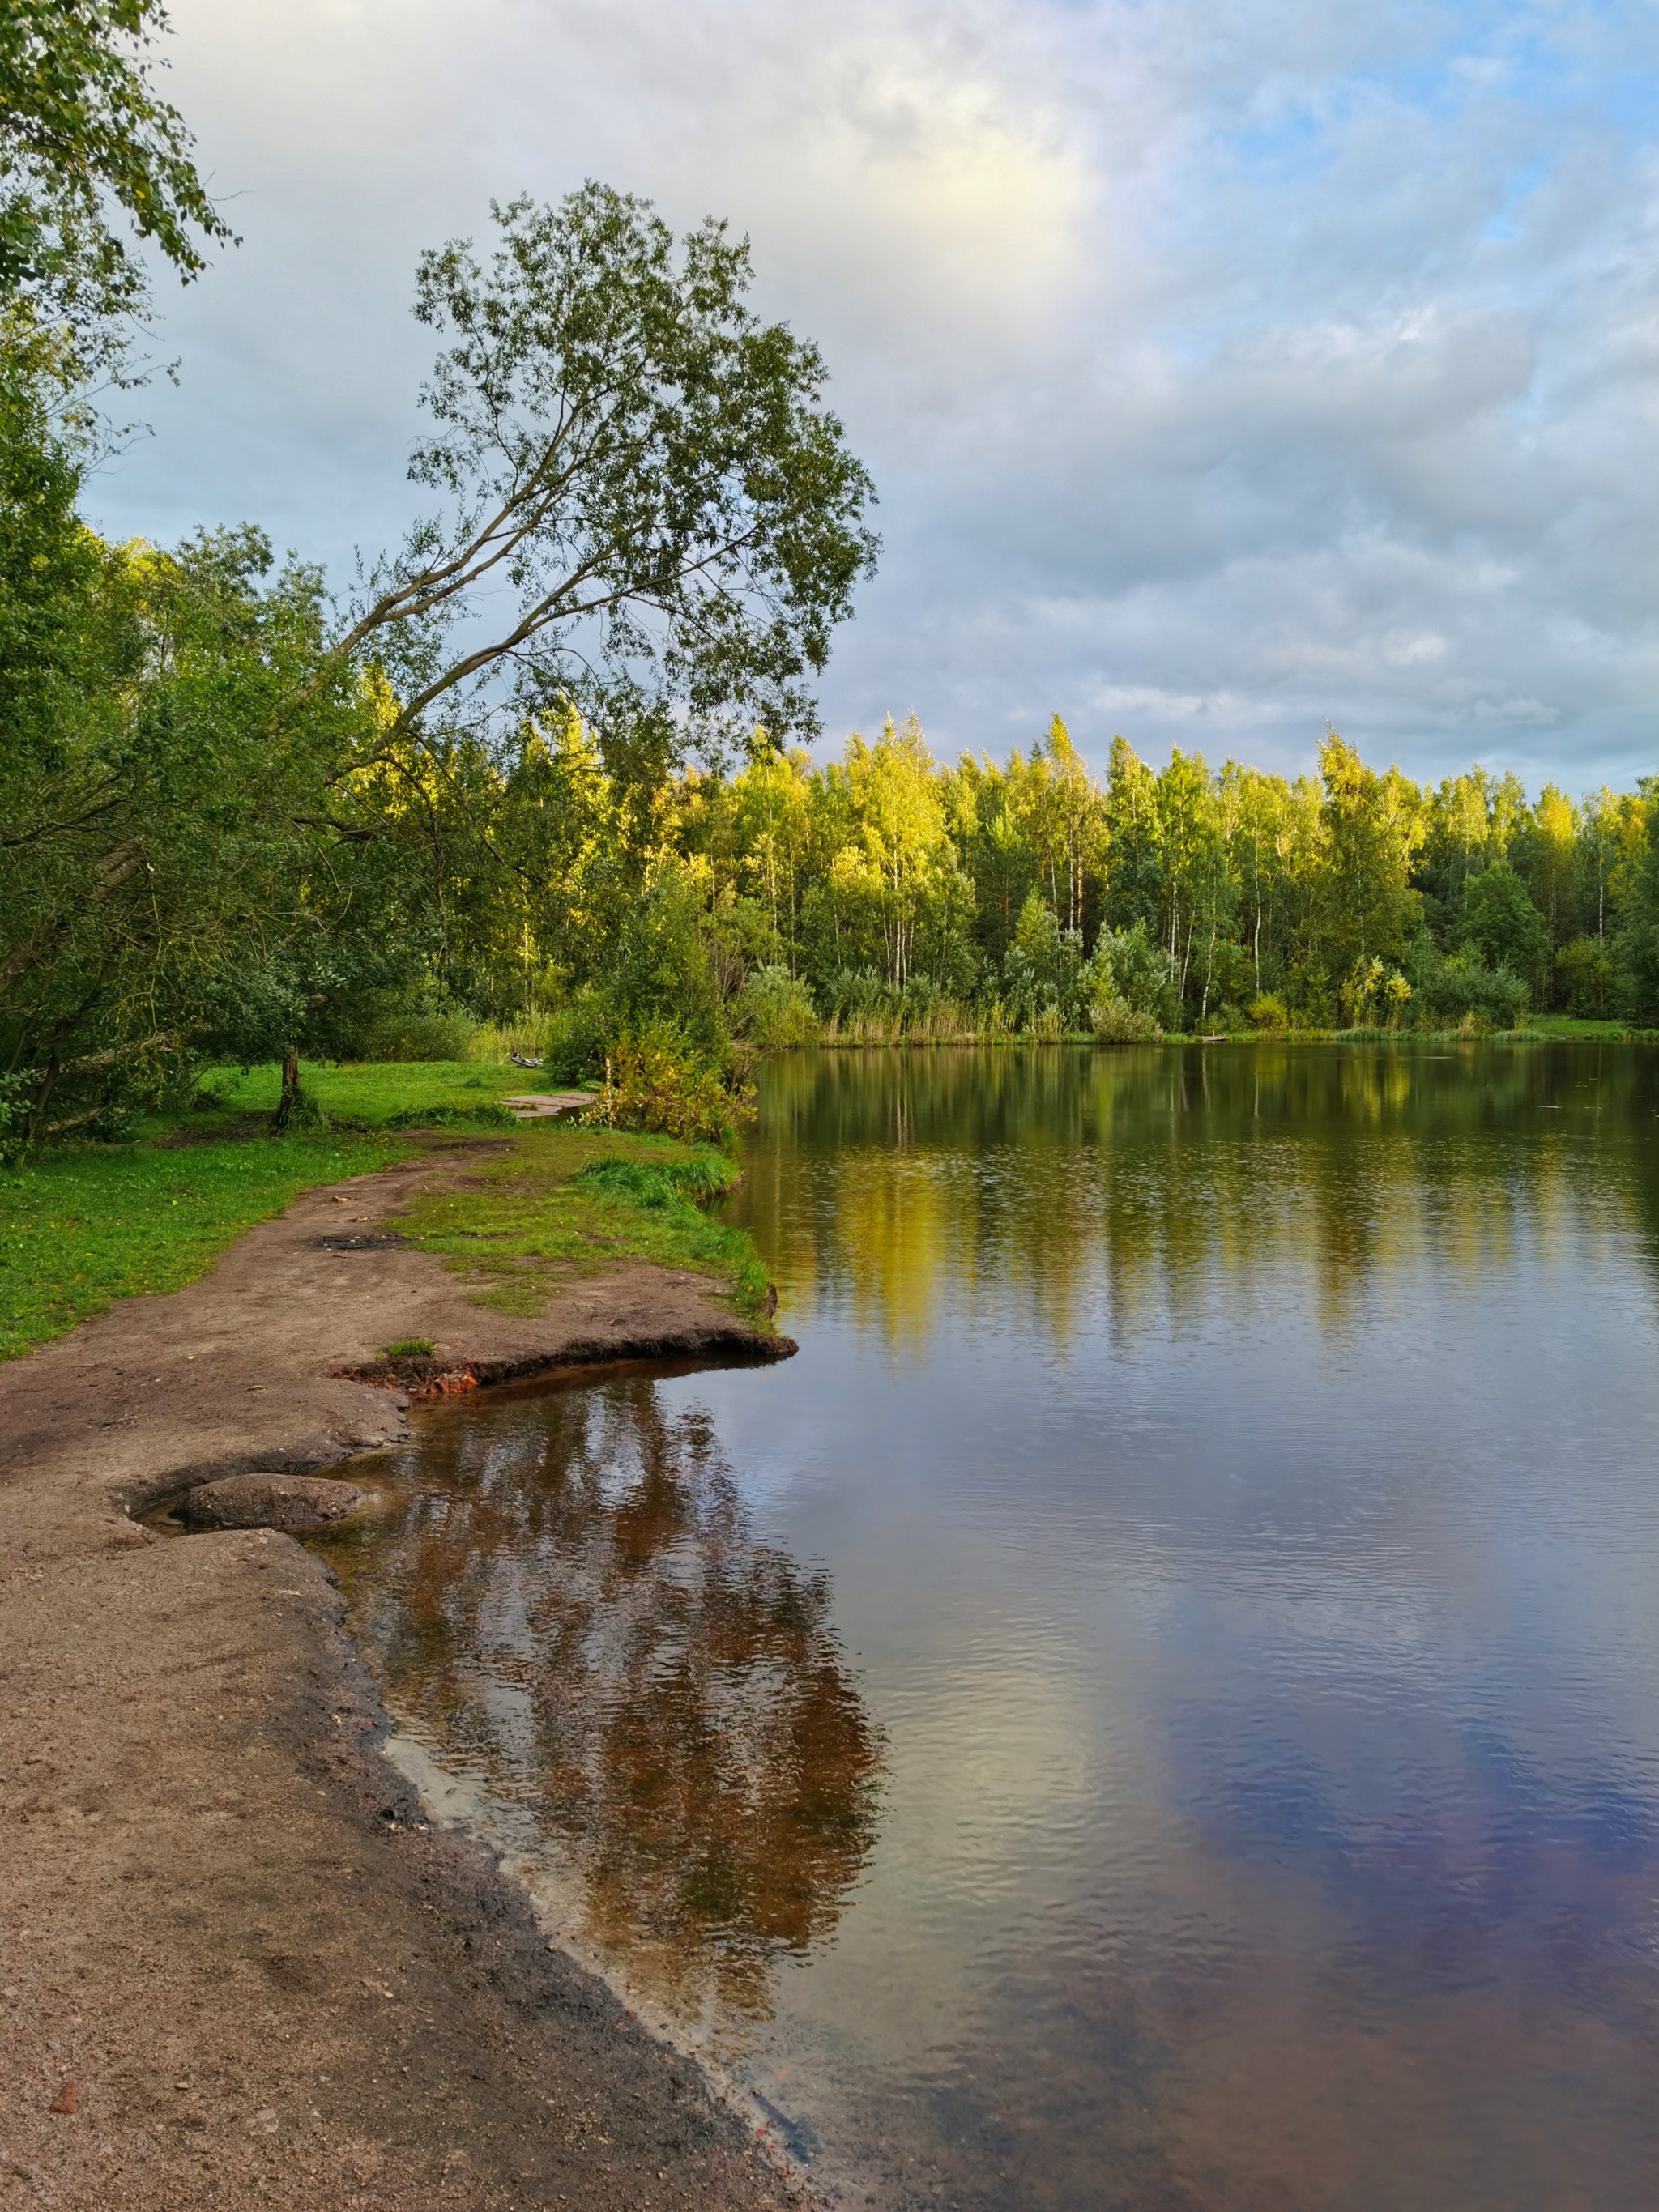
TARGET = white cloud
x,y
1223,367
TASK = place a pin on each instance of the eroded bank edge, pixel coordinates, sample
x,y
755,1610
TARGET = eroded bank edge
x,y
418,1793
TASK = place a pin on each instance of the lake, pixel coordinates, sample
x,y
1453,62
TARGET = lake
x,y
1158,1705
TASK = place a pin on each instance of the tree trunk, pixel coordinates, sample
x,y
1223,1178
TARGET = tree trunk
x,y
288,1104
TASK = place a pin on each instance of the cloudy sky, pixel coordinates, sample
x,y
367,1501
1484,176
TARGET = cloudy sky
x,y
1224,365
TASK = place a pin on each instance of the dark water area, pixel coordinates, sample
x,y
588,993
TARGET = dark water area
x,y
1157,1706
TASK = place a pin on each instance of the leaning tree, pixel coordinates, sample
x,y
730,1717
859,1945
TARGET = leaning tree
x,y
644,502
641,506
645,511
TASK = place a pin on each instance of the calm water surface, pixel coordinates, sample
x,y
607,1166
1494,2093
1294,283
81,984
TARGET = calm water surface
x,y
1157,1705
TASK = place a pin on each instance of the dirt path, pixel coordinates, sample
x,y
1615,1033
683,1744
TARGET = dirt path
x,y
220,1917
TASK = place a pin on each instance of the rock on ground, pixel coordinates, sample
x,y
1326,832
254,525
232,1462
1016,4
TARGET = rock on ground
x,y
268,1501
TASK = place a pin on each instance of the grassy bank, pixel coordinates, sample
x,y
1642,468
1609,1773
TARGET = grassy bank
x,y
562,1201
1539,1028
86,1224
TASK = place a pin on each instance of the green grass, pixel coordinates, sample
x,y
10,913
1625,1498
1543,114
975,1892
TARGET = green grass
x,y
384,1095
85,1225
564,1202
1572,1026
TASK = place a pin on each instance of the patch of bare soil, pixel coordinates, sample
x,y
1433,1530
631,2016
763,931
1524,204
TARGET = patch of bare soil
x,y
236,1968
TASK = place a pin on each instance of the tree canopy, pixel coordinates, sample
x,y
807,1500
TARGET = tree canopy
x,y
83,133
640,466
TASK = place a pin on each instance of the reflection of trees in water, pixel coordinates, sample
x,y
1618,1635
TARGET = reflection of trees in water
x,y
570,1594
1146,1176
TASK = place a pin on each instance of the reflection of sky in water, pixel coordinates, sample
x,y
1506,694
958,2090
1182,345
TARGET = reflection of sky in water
x,y
1237,1487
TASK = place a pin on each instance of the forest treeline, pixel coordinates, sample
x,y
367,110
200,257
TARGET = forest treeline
x,y
225,837
886,894
544,770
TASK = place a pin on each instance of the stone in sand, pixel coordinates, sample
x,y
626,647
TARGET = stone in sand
x,y
268,1501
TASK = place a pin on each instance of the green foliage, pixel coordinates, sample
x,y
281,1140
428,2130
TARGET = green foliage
x,y
1127,969
82,131
646,467
775,1010
1460,991
1362,895
414,1030
1374,992
1268,1013
657,1080
899,899
1498,921
1114,1021
408,1347
1586,978
1042,970
193,863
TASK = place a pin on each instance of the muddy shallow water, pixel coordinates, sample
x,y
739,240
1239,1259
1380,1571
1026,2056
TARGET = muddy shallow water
x,y
1155,1707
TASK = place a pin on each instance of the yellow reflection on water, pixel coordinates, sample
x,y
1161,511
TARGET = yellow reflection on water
x,y
1127,1190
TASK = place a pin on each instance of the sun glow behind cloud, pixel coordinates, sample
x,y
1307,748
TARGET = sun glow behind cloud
x,y
1223,368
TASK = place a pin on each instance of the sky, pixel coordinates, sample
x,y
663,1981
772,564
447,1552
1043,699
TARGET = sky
x,y
1226,367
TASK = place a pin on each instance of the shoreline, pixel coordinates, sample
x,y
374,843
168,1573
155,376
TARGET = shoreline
x,y
229,1923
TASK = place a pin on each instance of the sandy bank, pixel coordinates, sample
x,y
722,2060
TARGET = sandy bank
x,y
220,1917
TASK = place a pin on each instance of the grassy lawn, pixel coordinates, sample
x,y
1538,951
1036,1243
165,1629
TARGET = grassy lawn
x,y
92,1223
89,1224
1571,1026
384,1095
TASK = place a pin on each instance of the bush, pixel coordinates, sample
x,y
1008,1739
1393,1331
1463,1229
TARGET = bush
x,y
1374,992
853,994
14,1096
1310,994
775,1010
417,1032
1119,1022
657,1080
1268,1013
1584,976
662,962
1128,966
1042,971
1461,992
